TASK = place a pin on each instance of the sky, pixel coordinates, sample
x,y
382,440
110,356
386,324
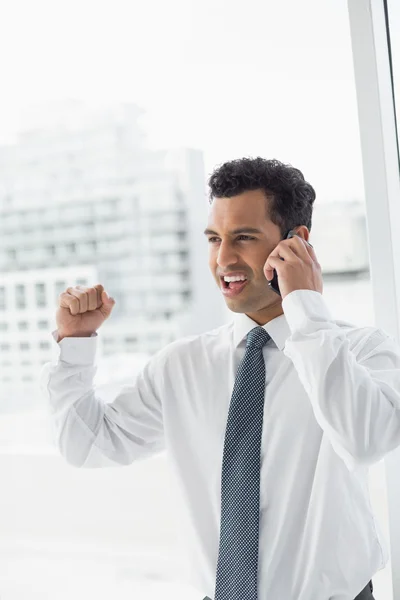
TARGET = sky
x,y
230,77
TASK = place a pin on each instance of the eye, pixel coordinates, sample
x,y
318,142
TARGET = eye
x,y
244,237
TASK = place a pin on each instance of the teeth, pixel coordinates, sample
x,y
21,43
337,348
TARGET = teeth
x,y
236,278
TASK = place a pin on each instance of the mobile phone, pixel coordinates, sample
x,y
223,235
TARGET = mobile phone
x,y
273,284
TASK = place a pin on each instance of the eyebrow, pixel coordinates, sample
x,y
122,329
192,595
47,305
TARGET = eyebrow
x,y
235,231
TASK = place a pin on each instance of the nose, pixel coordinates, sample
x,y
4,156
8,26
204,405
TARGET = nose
x,y
226,256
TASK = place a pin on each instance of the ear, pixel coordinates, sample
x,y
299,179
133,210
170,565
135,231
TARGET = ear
x,y
302,231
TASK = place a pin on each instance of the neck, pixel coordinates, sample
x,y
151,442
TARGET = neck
x,y
263,316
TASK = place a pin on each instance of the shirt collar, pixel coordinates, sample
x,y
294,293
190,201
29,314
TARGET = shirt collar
x,y
278,329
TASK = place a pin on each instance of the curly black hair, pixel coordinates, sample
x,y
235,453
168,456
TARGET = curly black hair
x,y
290,197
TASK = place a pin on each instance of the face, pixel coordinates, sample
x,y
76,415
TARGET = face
x,y
244,252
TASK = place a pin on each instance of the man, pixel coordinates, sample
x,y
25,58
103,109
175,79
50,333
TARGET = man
x,y
270,421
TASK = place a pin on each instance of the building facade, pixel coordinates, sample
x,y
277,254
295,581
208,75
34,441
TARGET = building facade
x,y
84,201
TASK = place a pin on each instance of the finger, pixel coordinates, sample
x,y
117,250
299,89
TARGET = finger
x,y
306,245
300,247
99,288
285,251
92,298
282,252
311,252
274,262
82,297
69,302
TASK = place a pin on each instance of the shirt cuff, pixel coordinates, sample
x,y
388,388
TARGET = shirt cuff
x,y
77,350
301,305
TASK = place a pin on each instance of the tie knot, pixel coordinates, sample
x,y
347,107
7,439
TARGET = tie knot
x,y
257,338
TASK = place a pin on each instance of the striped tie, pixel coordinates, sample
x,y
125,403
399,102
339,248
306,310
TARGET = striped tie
x,y
240,482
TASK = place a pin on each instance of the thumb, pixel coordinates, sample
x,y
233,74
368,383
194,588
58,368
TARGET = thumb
x,y
107,300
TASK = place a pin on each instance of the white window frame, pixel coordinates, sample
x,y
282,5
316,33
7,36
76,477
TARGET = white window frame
x,y
376,111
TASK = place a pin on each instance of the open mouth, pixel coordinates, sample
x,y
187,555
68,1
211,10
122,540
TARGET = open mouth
x,y
231,284
232,287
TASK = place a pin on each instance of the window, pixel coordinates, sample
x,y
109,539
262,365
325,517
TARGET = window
x,y
185,274
40,294
394,28
60,287
213,80
20,298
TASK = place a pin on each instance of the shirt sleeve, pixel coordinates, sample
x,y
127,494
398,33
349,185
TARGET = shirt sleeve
x,y
89,431
354,391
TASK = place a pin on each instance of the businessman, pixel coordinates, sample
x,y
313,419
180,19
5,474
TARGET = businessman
x,y
270,421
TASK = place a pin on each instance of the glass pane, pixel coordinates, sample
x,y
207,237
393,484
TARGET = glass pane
x,y
394,28
111,188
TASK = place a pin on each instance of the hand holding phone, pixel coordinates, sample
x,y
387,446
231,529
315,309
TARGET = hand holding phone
x,y
273,284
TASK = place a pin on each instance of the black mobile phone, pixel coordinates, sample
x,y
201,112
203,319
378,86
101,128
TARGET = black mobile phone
x,y
273,284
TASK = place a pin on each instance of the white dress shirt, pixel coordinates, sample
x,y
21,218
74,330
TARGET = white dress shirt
x,y
332,409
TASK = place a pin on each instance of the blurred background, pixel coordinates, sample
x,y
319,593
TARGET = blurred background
x,y
112,117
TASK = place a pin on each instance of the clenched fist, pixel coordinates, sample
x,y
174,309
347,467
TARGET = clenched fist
x,y
82,310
